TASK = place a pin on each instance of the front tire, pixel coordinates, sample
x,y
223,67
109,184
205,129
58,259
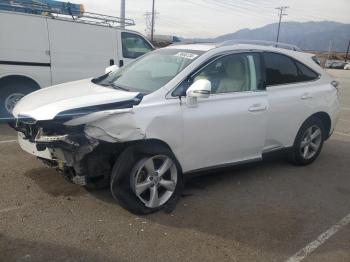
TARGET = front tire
x,y
10,94
146,179
309,142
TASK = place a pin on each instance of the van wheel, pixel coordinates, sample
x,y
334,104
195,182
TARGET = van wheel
x,y
309,142
146,179
10,94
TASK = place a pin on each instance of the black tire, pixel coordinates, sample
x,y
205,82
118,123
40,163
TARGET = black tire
x,y
99,183
297,156
121,177
8,90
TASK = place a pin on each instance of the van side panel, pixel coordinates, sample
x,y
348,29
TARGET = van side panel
x,y
79,50
24,38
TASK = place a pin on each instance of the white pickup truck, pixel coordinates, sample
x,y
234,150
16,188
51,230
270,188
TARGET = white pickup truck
x,y
38,51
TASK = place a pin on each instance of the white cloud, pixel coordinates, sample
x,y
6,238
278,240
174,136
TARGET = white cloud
x,y
207,18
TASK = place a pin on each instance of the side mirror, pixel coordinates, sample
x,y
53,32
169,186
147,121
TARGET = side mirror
x,y
199,89
111,69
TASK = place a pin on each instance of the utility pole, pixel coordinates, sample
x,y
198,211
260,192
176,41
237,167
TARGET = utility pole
x,y
329,51
153,18
347,52
281,13
122,13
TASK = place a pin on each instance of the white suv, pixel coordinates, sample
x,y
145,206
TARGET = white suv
x,y
178,110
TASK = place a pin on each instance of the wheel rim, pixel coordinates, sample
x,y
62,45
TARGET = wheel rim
x,y
311,142
12,100
154,180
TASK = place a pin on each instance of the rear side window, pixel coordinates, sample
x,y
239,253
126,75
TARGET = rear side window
x,y
281,69
305,73
134,45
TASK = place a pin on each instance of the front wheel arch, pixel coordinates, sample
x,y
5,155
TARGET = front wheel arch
x,y
152,144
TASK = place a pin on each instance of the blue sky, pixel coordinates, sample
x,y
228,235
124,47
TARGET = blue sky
x,y
208,18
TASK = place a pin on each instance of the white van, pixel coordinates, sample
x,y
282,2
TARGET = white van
x,y
38,51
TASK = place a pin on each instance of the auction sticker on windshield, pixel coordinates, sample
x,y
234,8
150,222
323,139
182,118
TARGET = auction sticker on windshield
x,y
186,55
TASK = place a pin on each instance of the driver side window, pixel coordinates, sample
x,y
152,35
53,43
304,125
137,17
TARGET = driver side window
x,y
134,45
232,73
229,74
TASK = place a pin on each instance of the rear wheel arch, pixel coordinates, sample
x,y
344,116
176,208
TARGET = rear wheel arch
x,y
19,79
12,89
326,120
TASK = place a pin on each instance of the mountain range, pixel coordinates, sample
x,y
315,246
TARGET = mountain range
x,y
316,36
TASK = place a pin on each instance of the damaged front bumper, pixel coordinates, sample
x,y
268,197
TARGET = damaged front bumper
x,y
59,146
31,148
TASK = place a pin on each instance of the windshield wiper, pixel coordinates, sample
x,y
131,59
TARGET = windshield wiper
x,y
119,87
115,86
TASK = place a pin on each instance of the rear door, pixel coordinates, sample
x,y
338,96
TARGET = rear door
x,y
80,50
230,125
291,87
132,46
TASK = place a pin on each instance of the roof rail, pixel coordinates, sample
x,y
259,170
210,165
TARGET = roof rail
x,y
62,11
260,42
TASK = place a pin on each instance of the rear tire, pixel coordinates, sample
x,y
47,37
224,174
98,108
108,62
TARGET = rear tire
x,y
309,142
10,94
135,187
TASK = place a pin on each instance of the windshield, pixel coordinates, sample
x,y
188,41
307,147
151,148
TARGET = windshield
x,y
150,72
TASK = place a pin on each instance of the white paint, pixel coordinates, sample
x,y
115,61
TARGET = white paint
x,y
303,253
341,134
5,210
45,104
345,108
8,141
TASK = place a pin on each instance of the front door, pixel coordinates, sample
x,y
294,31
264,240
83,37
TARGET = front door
x,y
230,125
132,47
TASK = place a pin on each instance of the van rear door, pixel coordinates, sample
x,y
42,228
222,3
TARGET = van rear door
x,y
24,39
80,50
24,47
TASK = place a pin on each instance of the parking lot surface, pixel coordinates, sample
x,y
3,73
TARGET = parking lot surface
x,y
264,212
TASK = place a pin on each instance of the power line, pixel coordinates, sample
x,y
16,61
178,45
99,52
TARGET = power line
x,y
281,13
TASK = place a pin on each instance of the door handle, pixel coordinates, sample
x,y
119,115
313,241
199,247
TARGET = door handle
x,y
306,96
257,108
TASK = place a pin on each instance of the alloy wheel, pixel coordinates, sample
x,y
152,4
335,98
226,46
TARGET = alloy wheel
x,y
311,142
154,180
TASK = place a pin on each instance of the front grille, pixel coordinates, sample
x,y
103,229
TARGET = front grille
x,y
48,128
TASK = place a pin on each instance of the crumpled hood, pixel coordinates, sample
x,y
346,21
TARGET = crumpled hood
x,y
46,103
